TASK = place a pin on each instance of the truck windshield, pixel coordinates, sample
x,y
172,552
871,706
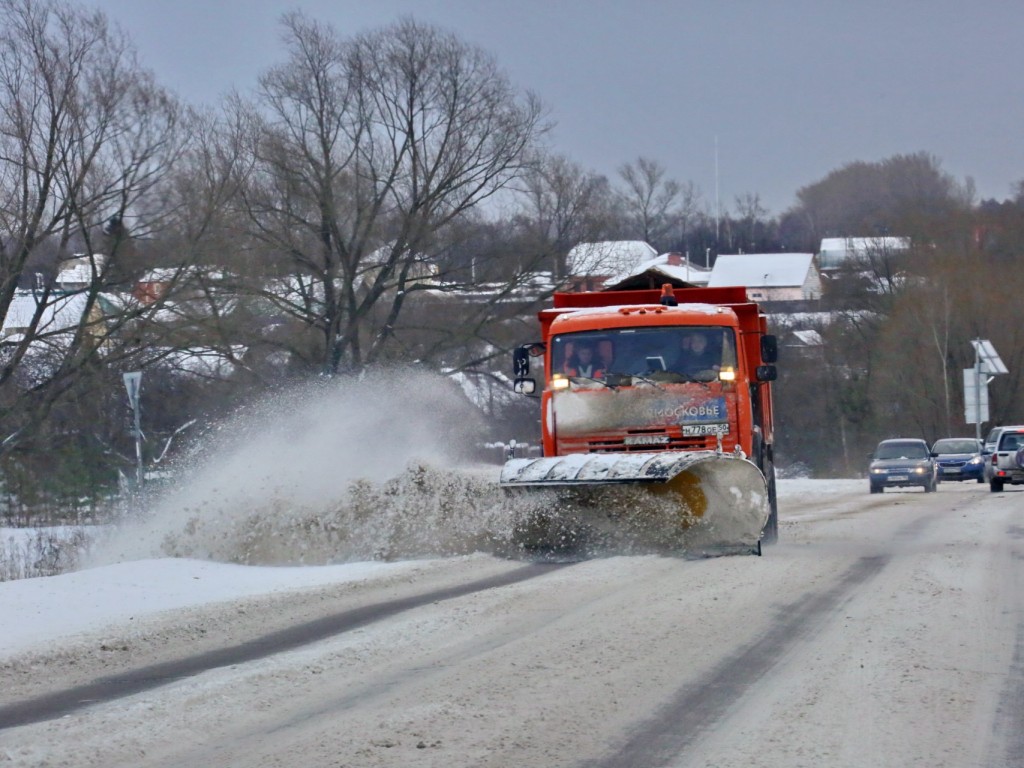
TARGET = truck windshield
x,y
696,353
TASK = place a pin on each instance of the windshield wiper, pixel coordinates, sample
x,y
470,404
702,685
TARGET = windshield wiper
x,y
602,382
645,380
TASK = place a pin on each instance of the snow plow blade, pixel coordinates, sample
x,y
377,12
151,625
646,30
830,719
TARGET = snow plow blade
x,y
694,502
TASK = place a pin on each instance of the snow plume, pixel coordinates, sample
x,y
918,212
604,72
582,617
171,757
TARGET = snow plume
x,y
338,471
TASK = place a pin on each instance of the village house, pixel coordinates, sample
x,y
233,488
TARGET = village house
x,y
672,268
593,266
770,277
837,252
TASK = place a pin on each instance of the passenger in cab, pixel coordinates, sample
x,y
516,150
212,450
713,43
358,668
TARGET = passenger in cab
x,y
581,362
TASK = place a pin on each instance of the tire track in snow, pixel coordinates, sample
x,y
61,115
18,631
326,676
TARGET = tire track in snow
x,y
114,687
1009,737
697,708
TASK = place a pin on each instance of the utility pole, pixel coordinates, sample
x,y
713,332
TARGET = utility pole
x,y
717,209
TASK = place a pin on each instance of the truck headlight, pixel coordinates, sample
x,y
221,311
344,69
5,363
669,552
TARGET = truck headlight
x,y
559,381
727,374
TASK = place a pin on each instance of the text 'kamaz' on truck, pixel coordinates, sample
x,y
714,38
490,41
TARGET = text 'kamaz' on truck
x,y
666,395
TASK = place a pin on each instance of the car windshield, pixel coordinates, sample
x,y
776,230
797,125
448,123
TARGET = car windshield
x,y
952,445
901,451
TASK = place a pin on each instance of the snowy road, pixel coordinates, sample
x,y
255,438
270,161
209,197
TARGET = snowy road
x,y
881,630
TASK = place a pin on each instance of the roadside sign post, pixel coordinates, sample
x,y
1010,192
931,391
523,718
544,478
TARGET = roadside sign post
x,y
975,398
976,381
133,383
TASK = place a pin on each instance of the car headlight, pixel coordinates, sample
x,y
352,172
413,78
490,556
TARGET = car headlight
x,y
877,471
976,460
920,469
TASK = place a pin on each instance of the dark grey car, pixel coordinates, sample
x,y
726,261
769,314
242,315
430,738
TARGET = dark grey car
x,y
902,463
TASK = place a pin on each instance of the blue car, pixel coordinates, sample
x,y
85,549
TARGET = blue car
x,y
959,458
902,463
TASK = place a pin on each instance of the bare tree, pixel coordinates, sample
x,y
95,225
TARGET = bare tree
x,y
649,199
870,199
1017,191
362,151
751,213
691,208
85,137
562,205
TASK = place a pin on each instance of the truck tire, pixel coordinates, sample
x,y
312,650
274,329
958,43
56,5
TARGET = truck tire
x,y
996,485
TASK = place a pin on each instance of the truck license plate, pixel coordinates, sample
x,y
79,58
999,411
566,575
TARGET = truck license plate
x,y
696,430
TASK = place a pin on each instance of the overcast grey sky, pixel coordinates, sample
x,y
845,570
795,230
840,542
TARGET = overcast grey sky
x,y
788,89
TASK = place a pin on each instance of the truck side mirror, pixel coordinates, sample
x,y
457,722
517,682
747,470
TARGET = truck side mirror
x,y
769,349
520,362
767,373
521,358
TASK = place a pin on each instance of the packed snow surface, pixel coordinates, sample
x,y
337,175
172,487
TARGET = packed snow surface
x,y
880,630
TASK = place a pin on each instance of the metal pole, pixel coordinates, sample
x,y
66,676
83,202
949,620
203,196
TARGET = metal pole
x,y
977,393
138,447
133,383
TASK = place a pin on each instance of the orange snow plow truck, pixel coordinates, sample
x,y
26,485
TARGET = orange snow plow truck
x,y
656,417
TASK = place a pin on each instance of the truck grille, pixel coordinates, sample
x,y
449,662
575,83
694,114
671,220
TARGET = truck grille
x,y
618,444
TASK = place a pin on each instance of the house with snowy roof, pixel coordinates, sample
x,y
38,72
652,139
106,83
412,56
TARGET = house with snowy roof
x,y
836,252
55,315
58,314
674,268
591,266
79,272
769,276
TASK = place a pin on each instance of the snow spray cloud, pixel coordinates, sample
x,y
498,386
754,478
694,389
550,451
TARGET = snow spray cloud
x,y
335,471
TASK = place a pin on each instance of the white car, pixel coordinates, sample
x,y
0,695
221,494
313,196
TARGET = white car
x,y
988,448
1008,459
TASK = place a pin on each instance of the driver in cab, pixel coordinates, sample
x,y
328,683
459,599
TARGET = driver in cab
x,y
697,359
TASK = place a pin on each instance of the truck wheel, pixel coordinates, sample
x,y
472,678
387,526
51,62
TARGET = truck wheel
x,y
996,485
